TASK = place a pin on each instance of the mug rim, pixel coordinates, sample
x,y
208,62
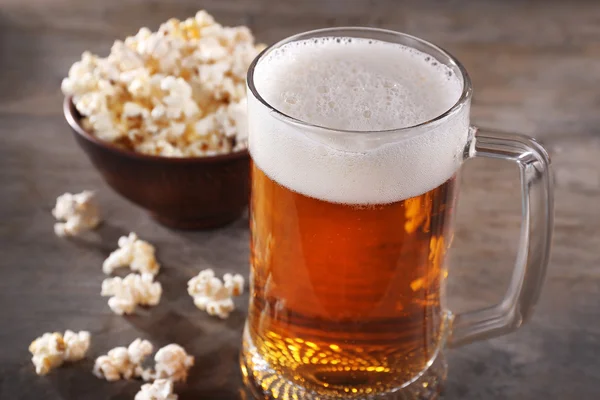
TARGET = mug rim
x,y
465,97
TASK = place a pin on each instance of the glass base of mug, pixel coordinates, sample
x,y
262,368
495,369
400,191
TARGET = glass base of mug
x,y
265,383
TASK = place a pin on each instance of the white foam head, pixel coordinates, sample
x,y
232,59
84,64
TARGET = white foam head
x,y
354,84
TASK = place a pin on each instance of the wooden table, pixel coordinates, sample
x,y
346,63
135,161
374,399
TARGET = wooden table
x,y
536,70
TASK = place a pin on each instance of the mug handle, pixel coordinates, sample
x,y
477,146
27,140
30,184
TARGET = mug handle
x,y
537,205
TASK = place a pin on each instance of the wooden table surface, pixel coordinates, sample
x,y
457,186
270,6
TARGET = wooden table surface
x,y
535,66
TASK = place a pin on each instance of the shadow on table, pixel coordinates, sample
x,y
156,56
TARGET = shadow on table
x,y
215,376
76,381
167,327
103,240
219,394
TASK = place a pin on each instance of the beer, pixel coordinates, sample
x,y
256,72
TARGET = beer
x,y
347,297
348,235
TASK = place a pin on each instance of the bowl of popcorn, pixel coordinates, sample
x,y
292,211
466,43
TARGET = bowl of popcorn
x,y
163,119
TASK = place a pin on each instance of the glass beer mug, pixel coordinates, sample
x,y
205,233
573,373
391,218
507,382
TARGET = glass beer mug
x,y
357,136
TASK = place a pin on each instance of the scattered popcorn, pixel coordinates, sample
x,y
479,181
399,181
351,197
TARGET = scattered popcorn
x,y
48,352
161,389
77,345
51,350
177,92
138,350
78,211
234,284
133,252
173,363
123,362
211,295
133,290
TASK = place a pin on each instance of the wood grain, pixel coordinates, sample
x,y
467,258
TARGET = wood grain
x,y
535,66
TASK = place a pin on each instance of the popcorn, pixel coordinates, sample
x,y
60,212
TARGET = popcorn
x,y
210,294
161,389
78,211
132,110
173,363
133,252
48,352
123,362
77,345
51,350
234,284
177,92
133,290
232,119
138,350
179,99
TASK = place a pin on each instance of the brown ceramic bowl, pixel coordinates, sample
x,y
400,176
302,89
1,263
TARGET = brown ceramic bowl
x,y
184,193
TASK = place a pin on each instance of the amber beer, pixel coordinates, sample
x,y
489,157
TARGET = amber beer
x,y
346,297
350,221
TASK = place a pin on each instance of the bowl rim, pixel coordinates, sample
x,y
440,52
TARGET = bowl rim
x,y
74,122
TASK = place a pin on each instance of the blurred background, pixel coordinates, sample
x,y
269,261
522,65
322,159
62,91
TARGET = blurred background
x,y
535,67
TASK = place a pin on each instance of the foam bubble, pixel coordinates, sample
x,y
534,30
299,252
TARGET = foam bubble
x,y
359,85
